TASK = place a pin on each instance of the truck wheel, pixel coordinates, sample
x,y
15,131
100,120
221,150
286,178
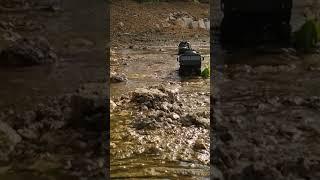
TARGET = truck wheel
x,y
285,33
181,71
198,71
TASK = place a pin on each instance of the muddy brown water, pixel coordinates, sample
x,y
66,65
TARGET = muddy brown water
x,y
152,67
25,86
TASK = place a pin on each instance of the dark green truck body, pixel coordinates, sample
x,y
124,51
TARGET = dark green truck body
x,y
190,62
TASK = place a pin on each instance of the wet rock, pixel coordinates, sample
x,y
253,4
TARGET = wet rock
x,y
181,23
187,22
202,122
263,107
216,174
112,105
68,165
153,97
101,162
4,25
27,52
121,24
297,100
274,101
28,133
87,109
287,68
169,120
116,78
145,123
192,119
44,111
144,108
165,25
194,25
27,117
200,144
158,28
11,36
207,24
165,106
202,25
9,139
175,116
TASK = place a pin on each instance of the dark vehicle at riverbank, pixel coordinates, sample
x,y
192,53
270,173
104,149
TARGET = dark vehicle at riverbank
x,y
251,23
190,61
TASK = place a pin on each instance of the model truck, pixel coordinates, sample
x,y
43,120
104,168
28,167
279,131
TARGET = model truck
x,y
190,61
255,22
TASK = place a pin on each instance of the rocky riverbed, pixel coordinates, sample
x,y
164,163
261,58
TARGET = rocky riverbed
x,y
266,117
56,139
265,109
161,124
158,118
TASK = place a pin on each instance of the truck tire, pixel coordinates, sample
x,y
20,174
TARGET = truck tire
x,y
198,71
181,71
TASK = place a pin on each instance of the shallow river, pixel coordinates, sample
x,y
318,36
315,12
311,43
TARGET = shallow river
x,y
152,67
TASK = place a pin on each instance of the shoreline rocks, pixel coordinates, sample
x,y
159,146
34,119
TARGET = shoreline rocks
x,y
28,52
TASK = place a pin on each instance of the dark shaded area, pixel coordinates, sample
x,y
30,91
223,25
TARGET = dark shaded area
x,y
264,105
254,23
54,95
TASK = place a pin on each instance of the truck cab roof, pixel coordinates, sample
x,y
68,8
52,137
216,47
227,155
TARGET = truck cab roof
x,y
190,53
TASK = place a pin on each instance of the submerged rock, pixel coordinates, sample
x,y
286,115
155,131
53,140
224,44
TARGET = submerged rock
x,y
112,105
